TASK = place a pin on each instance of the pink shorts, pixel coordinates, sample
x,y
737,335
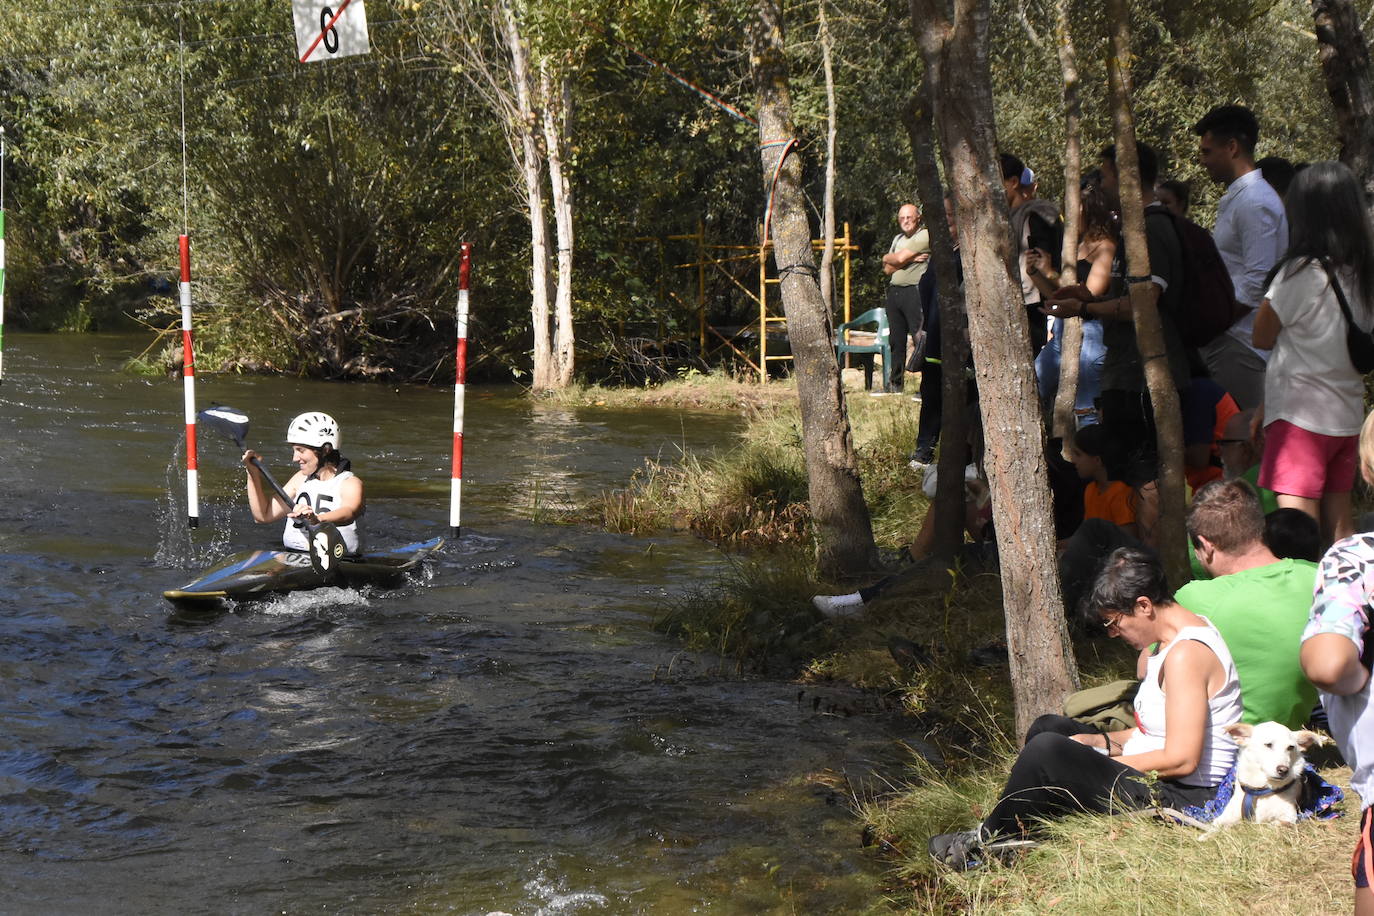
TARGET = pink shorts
x,y
1299,463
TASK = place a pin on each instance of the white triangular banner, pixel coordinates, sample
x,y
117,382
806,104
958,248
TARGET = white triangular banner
x,y
326,29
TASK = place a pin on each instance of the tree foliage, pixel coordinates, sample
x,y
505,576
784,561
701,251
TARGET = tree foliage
x,y
326,200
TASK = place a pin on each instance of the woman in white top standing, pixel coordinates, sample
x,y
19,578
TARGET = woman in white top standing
x,y
1313,397
323,489
1189,695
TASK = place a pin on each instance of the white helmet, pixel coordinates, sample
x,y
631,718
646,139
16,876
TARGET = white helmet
x,y
314,429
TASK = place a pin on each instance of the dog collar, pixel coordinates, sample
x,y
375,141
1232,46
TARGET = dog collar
x,y
1247,803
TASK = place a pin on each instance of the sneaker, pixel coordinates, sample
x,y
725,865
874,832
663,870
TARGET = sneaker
x,y
839,605
921,459
961,850
884,394
965,850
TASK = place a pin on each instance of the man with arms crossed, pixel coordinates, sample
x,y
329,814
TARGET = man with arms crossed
x,y
904,264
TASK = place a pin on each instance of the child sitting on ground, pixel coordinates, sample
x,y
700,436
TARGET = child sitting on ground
x,y
1110,500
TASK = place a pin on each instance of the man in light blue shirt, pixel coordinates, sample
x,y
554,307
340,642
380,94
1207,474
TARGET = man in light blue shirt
x,y
1251,234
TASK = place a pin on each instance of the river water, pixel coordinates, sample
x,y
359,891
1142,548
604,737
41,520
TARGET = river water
x,y
506,734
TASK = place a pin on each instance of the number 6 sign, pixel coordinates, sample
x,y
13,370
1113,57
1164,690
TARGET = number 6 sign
x,y
326,29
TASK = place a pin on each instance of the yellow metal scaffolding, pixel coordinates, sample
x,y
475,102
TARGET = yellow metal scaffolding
x,y
720,258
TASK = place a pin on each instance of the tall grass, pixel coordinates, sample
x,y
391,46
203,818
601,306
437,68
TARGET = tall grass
x,y
755,494
1121,864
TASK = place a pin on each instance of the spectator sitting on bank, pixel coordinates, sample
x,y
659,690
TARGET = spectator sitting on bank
x,y
1103,497
1240,457
1257,601
977,524
1176,756
1114,515
1293,533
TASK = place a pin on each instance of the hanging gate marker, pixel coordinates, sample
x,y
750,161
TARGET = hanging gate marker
x,y
188,371
322,28
455,507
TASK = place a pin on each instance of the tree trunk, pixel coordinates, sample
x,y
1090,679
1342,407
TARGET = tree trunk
x,y
944,260
544,375
1043,669
1344,56
1149,333
828,220
1064,424
844,535
557,141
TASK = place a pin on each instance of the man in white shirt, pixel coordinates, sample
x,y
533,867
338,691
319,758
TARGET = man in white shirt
x,y
1251,234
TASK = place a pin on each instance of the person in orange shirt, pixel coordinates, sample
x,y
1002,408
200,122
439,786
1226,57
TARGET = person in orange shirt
x,y
1110,500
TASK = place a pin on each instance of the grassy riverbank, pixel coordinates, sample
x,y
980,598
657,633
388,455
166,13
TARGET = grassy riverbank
x,y
931,653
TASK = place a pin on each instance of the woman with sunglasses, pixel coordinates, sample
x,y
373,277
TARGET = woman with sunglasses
x,y
1189,695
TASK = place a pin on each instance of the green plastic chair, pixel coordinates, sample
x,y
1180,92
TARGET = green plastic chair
x,y
866,351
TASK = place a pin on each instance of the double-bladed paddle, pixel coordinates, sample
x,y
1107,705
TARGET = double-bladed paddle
x,y
326,544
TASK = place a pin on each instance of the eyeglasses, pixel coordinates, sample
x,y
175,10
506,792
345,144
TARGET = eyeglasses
x,y
1113,625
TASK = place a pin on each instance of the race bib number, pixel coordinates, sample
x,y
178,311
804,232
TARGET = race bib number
x,y
326,29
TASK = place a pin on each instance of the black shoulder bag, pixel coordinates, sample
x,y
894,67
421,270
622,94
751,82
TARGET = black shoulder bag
x,y
1358,342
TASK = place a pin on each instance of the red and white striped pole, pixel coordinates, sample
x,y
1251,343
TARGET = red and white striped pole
x,y
188,363
455,506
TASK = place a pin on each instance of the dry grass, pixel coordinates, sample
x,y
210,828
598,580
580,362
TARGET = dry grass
x,y
755,494
694,390
1114,865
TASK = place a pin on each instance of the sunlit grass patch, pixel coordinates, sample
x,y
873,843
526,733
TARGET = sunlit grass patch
x,y
1107,864
757,493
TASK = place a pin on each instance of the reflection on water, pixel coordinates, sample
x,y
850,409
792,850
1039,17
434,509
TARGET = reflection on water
x,y
504,734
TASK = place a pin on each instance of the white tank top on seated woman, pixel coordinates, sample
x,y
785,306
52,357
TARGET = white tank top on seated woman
x,y
1223,709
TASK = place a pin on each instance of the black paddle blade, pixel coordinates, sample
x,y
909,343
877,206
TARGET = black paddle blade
x,y
227,420
327,550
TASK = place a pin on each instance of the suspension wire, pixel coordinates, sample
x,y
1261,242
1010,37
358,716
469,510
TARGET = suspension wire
x,y
185,193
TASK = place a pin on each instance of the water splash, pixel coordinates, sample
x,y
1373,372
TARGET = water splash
x,y
179,546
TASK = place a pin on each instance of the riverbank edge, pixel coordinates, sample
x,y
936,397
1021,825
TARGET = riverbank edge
x,y
954,688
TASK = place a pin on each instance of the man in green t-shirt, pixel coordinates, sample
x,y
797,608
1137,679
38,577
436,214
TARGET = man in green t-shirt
x,y
1258,602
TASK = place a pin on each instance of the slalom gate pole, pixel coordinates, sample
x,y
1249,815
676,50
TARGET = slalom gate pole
x,y
188,360
188,364
2,254
455,506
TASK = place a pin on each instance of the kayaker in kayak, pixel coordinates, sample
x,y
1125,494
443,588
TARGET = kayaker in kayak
x,y
323,490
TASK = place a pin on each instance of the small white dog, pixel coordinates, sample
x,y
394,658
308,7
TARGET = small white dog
x,y
1268,773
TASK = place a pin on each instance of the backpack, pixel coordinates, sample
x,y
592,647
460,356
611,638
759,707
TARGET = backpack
x,y
1207,304
1358,342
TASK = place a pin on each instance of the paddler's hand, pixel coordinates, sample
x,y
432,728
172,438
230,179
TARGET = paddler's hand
x,y
305,514
249,457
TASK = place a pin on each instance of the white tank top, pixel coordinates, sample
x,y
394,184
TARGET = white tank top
x,y
320,496
1223,709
